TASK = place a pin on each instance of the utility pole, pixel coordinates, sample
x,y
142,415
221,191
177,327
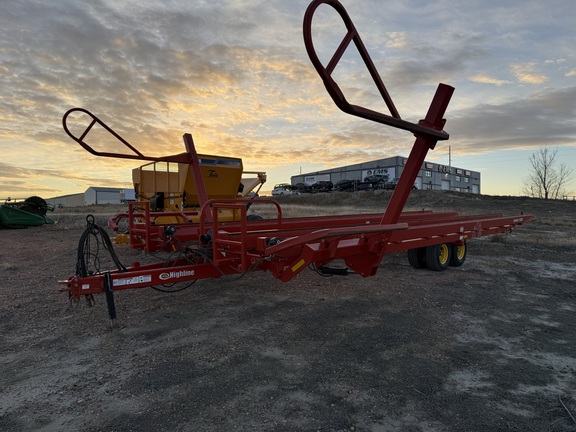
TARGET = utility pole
x,y
450,166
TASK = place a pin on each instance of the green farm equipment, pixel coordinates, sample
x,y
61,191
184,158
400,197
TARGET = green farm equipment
x,y
29,212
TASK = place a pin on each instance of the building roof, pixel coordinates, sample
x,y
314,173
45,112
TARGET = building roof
x,y
104,189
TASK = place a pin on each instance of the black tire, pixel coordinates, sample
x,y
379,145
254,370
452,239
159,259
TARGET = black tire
x,y
438,256
123,225
35,205
458,255
254,217
417,257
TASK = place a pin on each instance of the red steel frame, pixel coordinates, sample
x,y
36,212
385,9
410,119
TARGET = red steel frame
x,y
285,246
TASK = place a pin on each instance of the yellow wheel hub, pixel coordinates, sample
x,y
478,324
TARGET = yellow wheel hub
x,y
444,253
460,252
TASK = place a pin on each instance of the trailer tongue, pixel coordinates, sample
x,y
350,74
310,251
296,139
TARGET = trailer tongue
x,y
210,247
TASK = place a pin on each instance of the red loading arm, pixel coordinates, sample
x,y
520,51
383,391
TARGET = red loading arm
x,y
427,131
93,120
90,120
332,87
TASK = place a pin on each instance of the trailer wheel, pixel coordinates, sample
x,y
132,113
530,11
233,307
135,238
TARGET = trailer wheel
x,y
417,257
438,257
254,217
123,225
36,205
458,255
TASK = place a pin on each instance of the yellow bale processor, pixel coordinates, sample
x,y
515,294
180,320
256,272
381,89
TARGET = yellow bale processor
x,y
170,186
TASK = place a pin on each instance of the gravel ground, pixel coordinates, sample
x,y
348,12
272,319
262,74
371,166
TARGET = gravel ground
x,y
488,346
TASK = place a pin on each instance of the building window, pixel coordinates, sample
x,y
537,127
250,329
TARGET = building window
x,y
428,173
457,189
458,178
466,180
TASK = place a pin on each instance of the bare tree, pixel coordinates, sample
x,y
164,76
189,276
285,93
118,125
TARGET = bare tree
x,y
548,178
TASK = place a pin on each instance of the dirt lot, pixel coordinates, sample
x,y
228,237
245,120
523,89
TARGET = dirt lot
x,y
489,346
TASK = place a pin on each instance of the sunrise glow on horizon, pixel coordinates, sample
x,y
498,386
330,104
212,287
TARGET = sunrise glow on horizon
x,y
236,75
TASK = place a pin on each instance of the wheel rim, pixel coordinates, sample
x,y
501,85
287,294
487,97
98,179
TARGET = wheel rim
x,y
444,253
460,252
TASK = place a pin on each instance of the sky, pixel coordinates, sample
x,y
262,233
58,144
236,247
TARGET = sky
x,y
235,74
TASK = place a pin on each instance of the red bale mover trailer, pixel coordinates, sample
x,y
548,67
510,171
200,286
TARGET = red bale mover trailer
x,y
214,248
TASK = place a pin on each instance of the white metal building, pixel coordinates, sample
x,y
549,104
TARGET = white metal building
x,y
94,195
74,200
102,195
432,175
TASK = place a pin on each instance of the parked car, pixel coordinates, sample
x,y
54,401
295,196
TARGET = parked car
x,y
283,185
284,189
364,186
346,185
378,180
391,185
302,187
322,186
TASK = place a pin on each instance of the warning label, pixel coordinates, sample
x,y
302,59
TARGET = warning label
x,y
132,280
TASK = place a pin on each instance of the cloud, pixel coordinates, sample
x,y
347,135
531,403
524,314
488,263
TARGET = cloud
x,y
396,40
235,74
526,73
22,182
485,79
544,118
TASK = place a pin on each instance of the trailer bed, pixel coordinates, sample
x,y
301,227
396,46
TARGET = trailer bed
x,y
214,248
